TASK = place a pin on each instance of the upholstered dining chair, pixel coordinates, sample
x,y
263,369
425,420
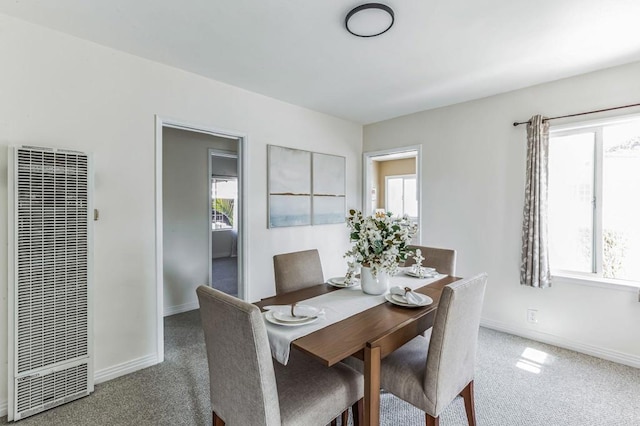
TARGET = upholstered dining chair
x,y
297,270
430,372
444,260
248,388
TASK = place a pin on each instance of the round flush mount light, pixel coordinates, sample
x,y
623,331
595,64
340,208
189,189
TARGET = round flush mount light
x,y
369,20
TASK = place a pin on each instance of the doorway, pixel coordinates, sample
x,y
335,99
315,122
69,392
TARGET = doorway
x,y
392,183
200,215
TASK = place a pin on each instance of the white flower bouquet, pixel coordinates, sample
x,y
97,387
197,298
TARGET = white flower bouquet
x,y
380,241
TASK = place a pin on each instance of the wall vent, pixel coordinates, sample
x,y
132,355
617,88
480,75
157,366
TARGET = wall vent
x,y
50,351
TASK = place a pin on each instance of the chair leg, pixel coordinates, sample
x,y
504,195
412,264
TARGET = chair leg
x,y
217,421
358,411
345,417
469,405
334,422
430,420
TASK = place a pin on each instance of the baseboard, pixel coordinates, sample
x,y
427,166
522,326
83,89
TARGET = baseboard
x,y
178,309
552,339
125,368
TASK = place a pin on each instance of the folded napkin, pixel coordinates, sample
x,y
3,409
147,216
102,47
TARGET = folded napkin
x,y
299,310
411,297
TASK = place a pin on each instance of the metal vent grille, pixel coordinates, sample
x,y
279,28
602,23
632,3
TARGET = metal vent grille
x,y
51,274
43,391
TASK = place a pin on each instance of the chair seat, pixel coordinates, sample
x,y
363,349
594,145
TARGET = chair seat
x,y
402,371
312,394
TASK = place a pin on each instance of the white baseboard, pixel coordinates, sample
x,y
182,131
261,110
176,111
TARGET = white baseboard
x,y
178,309
552,339
125,368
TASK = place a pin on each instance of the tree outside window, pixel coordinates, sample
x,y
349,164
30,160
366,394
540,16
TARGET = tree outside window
x,y
224,195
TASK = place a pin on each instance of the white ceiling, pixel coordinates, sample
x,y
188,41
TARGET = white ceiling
x,y
439,52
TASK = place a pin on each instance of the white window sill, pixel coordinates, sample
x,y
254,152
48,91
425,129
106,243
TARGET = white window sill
x,y
568,278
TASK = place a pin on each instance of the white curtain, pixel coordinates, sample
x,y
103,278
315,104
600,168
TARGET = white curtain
x,y
534,267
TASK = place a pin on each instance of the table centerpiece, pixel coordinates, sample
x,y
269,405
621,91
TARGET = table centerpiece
x,y
381,243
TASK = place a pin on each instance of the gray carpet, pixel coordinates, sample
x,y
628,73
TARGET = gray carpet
x,y
225,275
514,386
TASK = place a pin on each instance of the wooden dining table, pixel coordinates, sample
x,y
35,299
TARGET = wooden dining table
x,y
369,335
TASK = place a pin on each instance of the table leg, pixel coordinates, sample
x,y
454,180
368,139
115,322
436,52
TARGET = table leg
x,y
372,385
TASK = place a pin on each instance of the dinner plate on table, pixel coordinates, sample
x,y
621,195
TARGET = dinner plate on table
x,y
427,273
399,300
281,318
339,282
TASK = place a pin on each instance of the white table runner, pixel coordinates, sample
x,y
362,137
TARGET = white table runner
x,y
337,305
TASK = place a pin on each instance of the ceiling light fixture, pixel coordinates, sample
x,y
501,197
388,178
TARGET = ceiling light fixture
x,y
369,20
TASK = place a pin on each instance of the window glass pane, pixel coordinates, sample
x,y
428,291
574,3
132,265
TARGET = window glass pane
x,y
621,201
410,197
571,189
394,196
224,193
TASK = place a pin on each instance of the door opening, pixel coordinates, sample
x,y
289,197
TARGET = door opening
x,y
200,216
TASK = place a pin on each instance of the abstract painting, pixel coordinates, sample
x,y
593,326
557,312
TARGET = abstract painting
x,y
328,188
305,188
289,184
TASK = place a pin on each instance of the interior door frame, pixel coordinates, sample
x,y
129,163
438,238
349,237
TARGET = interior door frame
x,y
243,237
367,160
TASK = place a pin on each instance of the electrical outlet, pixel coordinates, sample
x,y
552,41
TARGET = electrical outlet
x,y
532,316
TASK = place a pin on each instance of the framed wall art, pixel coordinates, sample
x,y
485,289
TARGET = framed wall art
x,y
289,183
328,189
305,188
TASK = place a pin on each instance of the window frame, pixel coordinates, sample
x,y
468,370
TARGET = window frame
x,y
235,204
386,190
595,126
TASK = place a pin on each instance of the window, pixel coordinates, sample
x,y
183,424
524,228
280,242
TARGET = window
x,y
224,195
594,199
401,195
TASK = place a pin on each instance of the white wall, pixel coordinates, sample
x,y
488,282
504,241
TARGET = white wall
x,y
473,186
61,91
185,216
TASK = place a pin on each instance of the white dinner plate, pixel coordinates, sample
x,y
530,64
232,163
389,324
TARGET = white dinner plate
x,y
428,273
396,299
339,282
303,313
270,317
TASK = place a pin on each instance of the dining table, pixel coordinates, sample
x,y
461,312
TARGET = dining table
x,y
369,335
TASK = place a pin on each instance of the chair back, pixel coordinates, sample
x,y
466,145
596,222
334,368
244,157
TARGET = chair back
x,y
297,270
444,260
454,338
241,375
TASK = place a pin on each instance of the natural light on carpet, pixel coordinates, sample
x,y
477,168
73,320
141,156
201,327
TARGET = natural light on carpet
x,y
532,360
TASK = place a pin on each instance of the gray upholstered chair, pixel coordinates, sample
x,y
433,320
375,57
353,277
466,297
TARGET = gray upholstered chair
x,y
297,270
430,372
248,388
444,260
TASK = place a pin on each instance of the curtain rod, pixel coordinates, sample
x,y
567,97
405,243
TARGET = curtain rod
x,y
580,113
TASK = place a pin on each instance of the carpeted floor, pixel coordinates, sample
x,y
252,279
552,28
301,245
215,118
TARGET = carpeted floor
x,y
518,382
225,274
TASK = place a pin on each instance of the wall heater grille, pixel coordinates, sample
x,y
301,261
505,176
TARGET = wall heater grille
x,y
51,353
